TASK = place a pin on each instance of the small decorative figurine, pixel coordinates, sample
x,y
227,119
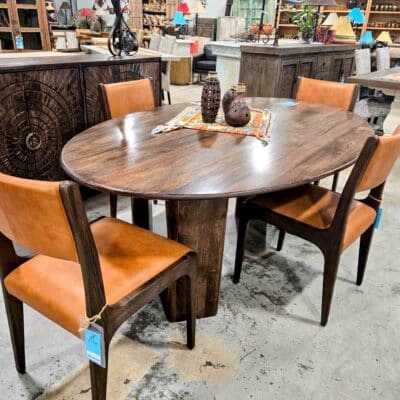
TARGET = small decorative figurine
x,y
238,113
210,98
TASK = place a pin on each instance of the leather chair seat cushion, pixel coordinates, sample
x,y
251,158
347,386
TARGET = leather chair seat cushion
x,y
206,65
129,257
316,206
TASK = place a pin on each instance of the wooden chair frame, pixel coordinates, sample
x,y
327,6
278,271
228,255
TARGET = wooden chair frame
x,y
351,108
113,315
141,208
329,240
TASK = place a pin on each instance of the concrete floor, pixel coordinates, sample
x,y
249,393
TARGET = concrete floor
x,y
264,344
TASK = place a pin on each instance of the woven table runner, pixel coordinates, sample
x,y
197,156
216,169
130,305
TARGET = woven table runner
x,y
260,124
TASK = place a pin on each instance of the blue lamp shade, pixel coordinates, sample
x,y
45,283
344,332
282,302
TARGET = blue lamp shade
x,y
356,16
366,38
179,19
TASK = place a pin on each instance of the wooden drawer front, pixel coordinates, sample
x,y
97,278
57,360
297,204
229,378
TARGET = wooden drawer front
x,y
324,76
323,64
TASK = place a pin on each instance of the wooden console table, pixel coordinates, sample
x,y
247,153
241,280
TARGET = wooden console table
x,y
46,101
270,71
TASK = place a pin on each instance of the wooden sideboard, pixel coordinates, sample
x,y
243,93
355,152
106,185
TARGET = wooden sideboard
x,y
45,101
270,71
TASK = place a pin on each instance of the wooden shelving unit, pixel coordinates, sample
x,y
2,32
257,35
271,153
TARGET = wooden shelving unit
x,y
154,15
376,18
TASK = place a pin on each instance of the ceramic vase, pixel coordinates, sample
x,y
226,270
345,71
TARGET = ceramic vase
x,y
210,98
227,99
238,113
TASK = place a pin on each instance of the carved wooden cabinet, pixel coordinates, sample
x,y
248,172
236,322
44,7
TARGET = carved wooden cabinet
x,y
46,101
271,71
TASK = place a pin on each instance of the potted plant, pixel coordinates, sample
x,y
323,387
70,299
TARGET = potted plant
x,y
305,21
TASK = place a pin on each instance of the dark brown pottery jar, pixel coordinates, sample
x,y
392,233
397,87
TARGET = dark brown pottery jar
x,y
238,113
210,98
227,99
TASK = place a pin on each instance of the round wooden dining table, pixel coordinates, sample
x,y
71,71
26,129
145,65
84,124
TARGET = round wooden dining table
x,y
196,172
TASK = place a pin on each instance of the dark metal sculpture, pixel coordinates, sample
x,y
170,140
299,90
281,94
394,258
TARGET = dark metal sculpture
x,y
122,41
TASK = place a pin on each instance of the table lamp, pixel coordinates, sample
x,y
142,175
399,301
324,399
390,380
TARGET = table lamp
x,y
65,6
319,4
366,38
85,12
197,8
344,31
356,16
384,37
330,20
179,20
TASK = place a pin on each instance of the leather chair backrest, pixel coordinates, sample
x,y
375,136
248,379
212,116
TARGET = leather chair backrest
x,y
381,163
208,52
128,97
32,215
341,95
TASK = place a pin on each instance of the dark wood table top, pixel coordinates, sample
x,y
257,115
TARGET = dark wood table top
x,y
378,79
308,142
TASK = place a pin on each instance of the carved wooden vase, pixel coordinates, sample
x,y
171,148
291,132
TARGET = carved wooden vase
x,y
210,98
238,112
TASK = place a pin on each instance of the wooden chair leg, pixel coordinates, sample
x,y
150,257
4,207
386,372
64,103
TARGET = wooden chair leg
x,y
335,181
242,228
281,239
330,272
15,316
365,244
113,205
98,378
191,310
169,98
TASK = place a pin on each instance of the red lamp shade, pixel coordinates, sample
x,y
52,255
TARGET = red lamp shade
x,y
85,12
184,8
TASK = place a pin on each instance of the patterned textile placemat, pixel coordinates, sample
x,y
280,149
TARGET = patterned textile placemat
x,y
260,124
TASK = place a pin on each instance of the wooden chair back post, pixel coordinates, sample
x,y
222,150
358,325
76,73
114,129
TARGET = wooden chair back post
x,y
369,173
88,257
123,98
48,218
315,91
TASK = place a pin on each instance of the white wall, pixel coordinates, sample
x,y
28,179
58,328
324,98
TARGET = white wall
x,y
215,8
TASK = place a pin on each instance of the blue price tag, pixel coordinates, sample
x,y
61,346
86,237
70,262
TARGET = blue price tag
x,y
93,338
378,218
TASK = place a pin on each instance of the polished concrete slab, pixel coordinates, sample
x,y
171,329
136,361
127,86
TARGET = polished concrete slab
x,y
266,341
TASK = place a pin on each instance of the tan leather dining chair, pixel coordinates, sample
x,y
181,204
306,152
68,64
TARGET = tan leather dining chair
x,y
110,268
330,220
336,94
119,99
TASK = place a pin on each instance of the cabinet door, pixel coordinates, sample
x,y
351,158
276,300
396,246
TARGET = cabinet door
x,y
39,112
306,66
27,17
6,25
288,77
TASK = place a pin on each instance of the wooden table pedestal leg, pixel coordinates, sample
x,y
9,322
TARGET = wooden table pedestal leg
x,y
141,213
200,225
